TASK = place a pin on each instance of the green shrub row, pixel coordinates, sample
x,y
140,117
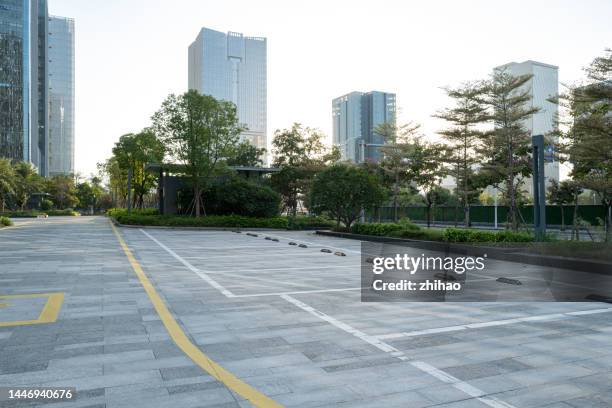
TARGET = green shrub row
x,y
34,213
411,231
223,221
466,235
115,212
5,222
306,222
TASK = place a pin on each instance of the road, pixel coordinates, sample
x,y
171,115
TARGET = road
x,y
169,318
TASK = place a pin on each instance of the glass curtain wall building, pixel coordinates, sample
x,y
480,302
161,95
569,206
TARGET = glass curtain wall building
x,y
233,67
24,81
355,117
61,95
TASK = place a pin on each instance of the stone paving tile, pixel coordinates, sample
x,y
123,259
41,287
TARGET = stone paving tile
x,y
110,343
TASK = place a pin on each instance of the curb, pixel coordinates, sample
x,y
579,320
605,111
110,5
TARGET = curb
x,y
502,254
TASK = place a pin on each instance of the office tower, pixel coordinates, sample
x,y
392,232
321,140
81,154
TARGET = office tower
x,y
355,118
23,81
61,95
232,67
543,85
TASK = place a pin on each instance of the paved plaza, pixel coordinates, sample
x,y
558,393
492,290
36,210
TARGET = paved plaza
x,y
150,317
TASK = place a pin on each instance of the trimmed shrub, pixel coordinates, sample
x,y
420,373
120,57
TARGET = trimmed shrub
x,y
306,222
240,197
465,235
46,205
67,212
115,212
222,221
5,222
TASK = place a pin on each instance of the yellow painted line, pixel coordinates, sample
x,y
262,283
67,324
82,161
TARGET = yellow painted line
x,y
4,305
182,341
49,313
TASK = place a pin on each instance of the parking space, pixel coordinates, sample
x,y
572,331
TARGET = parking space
x,y
284,322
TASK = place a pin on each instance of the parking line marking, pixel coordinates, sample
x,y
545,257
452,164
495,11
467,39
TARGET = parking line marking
x,y
493,323
189,266
49,313
297,292
182,341
387,348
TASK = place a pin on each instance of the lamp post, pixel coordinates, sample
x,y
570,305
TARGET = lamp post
x,y
539,192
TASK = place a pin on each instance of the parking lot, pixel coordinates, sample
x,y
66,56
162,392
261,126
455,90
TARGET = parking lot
x,y
136,317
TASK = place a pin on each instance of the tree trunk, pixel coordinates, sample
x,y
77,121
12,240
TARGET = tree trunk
x,y
395,193
196,200
428,215
562,219
576,226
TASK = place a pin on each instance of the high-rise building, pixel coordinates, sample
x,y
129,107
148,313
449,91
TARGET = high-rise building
x,y
356,116
543,85
61,95
233,67
24,81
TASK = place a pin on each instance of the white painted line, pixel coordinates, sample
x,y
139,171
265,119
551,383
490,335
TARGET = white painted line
x,y
297,268
296,292
387,348
189,266
493,323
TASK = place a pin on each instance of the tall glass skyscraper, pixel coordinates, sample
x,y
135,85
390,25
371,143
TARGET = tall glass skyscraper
x,y
232,67
24,81
61,95
355,118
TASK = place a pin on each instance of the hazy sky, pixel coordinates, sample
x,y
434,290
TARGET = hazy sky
x,y
131,53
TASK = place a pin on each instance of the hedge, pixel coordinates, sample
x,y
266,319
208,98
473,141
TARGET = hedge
x,y
5,222
35,213
223,221
307,222
115,212
411,231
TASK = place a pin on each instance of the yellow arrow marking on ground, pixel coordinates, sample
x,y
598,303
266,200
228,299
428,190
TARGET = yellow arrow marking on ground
x,y
182,341
3,305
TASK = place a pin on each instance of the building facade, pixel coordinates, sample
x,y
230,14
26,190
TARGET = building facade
x,y
61,96
233,67
355,117
543,85
24,82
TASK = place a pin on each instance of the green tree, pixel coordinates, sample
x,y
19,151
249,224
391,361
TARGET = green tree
x,y
397,150
116,181
463,138
343,191
299,153
27,182
7,183
560,194
63,190
506,148
198,131
588,140
133,153
247,155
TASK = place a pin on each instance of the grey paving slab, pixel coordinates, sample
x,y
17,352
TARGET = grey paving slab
x,y
108,336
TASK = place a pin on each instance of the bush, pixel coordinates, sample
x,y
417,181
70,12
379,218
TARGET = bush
x,y
240,197
385,229
306,222
465,235
223,221
115,212
5,222
67,212
23,214
46,205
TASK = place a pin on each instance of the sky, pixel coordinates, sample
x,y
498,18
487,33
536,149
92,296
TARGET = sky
x,y
130,54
